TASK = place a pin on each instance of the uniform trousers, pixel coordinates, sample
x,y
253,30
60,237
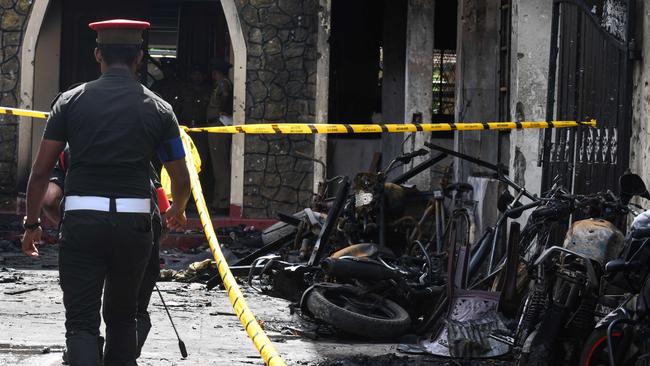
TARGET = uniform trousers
x,y
106,251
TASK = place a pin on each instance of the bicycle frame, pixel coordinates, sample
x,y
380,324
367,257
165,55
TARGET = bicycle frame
x,y
478,257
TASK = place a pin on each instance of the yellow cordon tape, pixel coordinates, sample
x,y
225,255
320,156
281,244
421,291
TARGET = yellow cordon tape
x,y
304,128
315,128
23,112
263,344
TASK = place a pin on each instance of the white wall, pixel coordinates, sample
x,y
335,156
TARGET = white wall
x,y
639,146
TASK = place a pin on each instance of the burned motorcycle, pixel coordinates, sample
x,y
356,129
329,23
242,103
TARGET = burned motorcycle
x,y
371,292
371,287
560,309
621,337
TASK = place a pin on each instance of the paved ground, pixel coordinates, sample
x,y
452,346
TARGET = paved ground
x,y
32,333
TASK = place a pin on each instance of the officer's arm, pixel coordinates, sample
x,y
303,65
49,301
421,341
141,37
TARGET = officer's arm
x,y
48,152
180,178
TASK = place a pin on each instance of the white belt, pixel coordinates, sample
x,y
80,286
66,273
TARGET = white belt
x,y
93,203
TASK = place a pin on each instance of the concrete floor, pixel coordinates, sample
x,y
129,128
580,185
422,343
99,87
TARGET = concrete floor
x,y
32,331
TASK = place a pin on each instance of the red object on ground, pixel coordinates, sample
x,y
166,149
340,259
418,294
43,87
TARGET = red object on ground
x,y
163,202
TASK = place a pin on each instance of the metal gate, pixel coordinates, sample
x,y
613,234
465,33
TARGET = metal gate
x,y
590,76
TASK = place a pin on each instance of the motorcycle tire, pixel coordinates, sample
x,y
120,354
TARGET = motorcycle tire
x,y
595,352
544,345
366,315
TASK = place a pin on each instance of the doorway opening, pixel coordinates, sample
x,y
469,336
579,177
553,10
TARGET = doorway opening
x,y
367,78
185,39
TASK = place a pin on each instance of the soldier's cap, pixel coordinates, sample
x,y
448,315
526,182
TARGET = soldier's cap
x,y
119,31
219,64
197,67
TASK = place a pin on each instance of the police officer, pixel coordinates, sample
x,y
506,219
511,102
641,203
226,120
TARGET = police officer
x,y
51,208
113,126
219,113
196,95
169,87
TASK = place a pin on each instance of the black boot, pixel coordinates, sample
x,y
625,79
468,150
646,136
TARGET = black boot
x,y
142,327
121,344
100,347
82,349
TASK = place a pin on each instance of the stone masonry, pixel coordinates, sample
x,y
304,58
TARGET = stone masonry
x,y
12,26
281,87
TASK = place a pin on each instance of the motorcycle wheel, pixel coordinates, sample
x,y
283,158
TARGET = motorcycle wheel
x,y
351,311
595,352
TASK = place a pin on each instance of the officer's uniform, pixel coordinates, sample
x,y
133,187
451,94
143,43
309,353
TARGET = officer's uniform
x,y
220,109
152,271
113,127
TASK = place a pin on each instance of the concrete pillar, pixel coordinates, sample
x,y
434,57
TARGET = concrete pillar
x,y
530,42
477,99
639,147
477,86
419,75
239,106
47,62
394,67
322,89
28,52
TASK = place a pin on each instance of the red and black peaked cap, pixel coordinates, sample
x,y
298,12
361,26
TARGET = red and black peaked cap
x,y
119,31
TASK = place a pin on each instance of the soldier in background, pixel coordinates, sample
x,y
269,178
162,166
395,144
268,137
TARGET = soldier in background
x,y
219,113
196,95
170,86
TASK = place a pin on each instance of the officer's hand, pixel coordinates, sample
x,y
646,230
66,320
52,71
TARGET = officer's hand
x,y
30,238
175,218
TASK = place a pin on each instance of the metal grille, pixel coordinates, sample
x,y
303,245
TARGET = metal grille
x,y
444,82
593,74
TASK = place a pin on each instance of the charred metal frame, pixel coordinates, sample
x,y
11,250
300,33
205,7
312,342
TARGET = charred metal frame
x,y
332,217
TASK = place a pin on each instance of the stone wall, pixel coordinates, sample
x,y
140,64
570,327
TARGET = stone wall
x,y
12,26
280,87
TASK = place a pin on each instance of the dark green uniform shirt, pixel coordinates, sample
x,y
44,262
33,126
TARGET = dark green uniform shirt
x,y
113,126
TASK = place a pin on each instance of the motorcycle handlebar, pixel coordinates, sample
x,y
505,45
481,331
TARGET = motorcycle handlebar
x,y
557,211
406,158
515,212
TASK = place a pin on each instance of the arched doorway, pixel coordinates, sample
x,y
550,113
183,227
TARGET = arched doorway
x,y
57,52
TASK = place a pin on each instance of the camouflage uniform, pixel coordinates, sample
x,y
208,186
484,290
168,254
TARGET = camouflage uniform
x,y
220,106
